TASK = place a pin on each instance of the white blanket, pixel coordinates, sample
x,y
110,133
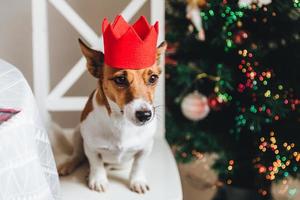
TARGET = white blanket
x,y
27,166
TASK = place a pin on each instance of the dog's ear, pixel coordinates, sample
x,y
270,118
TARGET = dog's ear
x,y
95,59
161,49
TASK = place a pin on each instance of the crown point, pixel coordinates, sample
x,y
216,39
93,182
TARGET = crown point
x,y
120,26
142,20
156,26
142,27
105,24
119,20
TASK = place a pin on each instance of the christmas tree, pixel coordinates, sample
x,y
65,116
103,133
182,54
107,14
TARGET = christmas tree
x,y
232,87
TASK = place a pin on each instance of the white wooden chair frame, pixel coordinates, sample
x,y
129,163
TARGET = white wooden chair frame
x,y
54,100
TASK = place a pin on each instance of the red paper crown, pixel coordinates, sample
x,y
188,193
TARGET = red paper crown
x,y
129,46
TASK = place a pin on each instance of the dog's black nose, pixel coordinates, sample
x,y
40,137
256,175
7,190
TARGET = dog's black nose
x,y
143,116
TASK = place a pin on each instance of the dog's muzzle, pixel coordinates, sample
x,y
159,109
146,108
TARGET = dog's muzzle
x,y
139,112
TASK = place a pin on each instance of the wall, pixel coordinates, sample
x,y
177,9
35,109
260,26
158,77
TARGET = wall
x,y
16,41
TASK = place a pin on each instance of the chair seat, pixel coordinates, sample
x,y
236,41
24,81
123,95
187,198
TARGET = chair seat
x,y
161,171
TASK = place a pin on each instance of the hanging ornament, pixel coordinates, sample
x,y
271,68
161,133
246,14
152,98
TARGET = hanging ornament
x,y
195,106
247,3
193,10
240,37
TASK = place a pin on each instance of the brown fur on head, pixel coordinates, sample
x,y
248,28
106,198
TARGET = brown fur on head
x,y
123,85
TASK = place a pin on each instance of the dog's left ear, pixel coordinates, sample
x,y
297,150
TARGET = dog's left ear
x,y
161,49
95,59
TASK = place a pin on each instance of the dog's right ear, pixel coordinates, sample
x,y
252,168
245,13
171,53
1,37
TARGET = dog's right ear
x,y
95,59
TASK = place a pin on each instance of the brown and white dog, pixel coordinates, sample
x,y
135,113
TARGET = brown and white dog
x,y
118,122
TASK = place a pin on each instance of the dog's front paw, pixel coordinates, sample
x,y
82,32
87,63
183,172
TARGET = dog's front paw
x,y
139,186
68,167
99,184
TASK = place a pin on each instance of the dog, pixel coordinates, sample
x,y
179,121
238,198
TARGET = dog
x,y
118,122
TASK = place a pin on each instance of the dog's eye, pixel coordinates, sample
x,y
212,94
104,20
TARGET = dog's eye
x,y
121,81
153,78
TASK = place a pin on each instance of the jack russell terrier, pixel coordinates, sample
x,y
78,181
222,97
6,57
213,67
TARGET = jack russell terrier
x,y
118,122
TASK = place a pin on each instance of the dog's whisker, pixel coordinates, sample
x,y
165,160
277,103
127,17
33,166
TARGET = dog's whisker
x,y
158,107
159,116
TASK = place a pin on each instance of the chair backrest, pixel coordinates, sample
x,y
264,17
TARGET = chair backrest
x,y
54,100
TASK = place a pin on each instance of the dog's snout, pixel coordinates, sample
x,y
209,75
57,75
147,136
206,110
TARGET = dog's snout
x,y
143,116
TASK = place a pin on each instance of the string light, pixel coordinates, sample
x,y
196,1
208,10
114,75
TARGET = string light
x,y
296,3
284,159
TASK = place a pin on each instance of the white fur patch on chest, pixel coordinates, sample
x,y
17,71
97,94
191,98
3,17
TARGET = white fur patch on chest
x,y
114,137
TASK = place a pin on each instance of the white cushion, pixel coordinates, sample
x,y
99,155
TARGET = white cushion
x,y
161,172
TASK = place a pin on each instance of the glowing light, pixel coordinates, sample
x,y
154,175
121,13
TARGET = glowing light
x,y
229,43
264,192
262,169
216,89
295,154
283,158
239,24
293,145
268,93
252,75
273,140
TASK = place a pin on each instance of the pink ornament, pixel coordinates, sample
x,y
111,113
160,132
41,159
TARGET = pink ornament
x,y
195,106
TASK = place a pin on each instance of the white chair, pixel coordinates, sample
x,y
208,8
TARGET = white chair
x,y
161,168
161,171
